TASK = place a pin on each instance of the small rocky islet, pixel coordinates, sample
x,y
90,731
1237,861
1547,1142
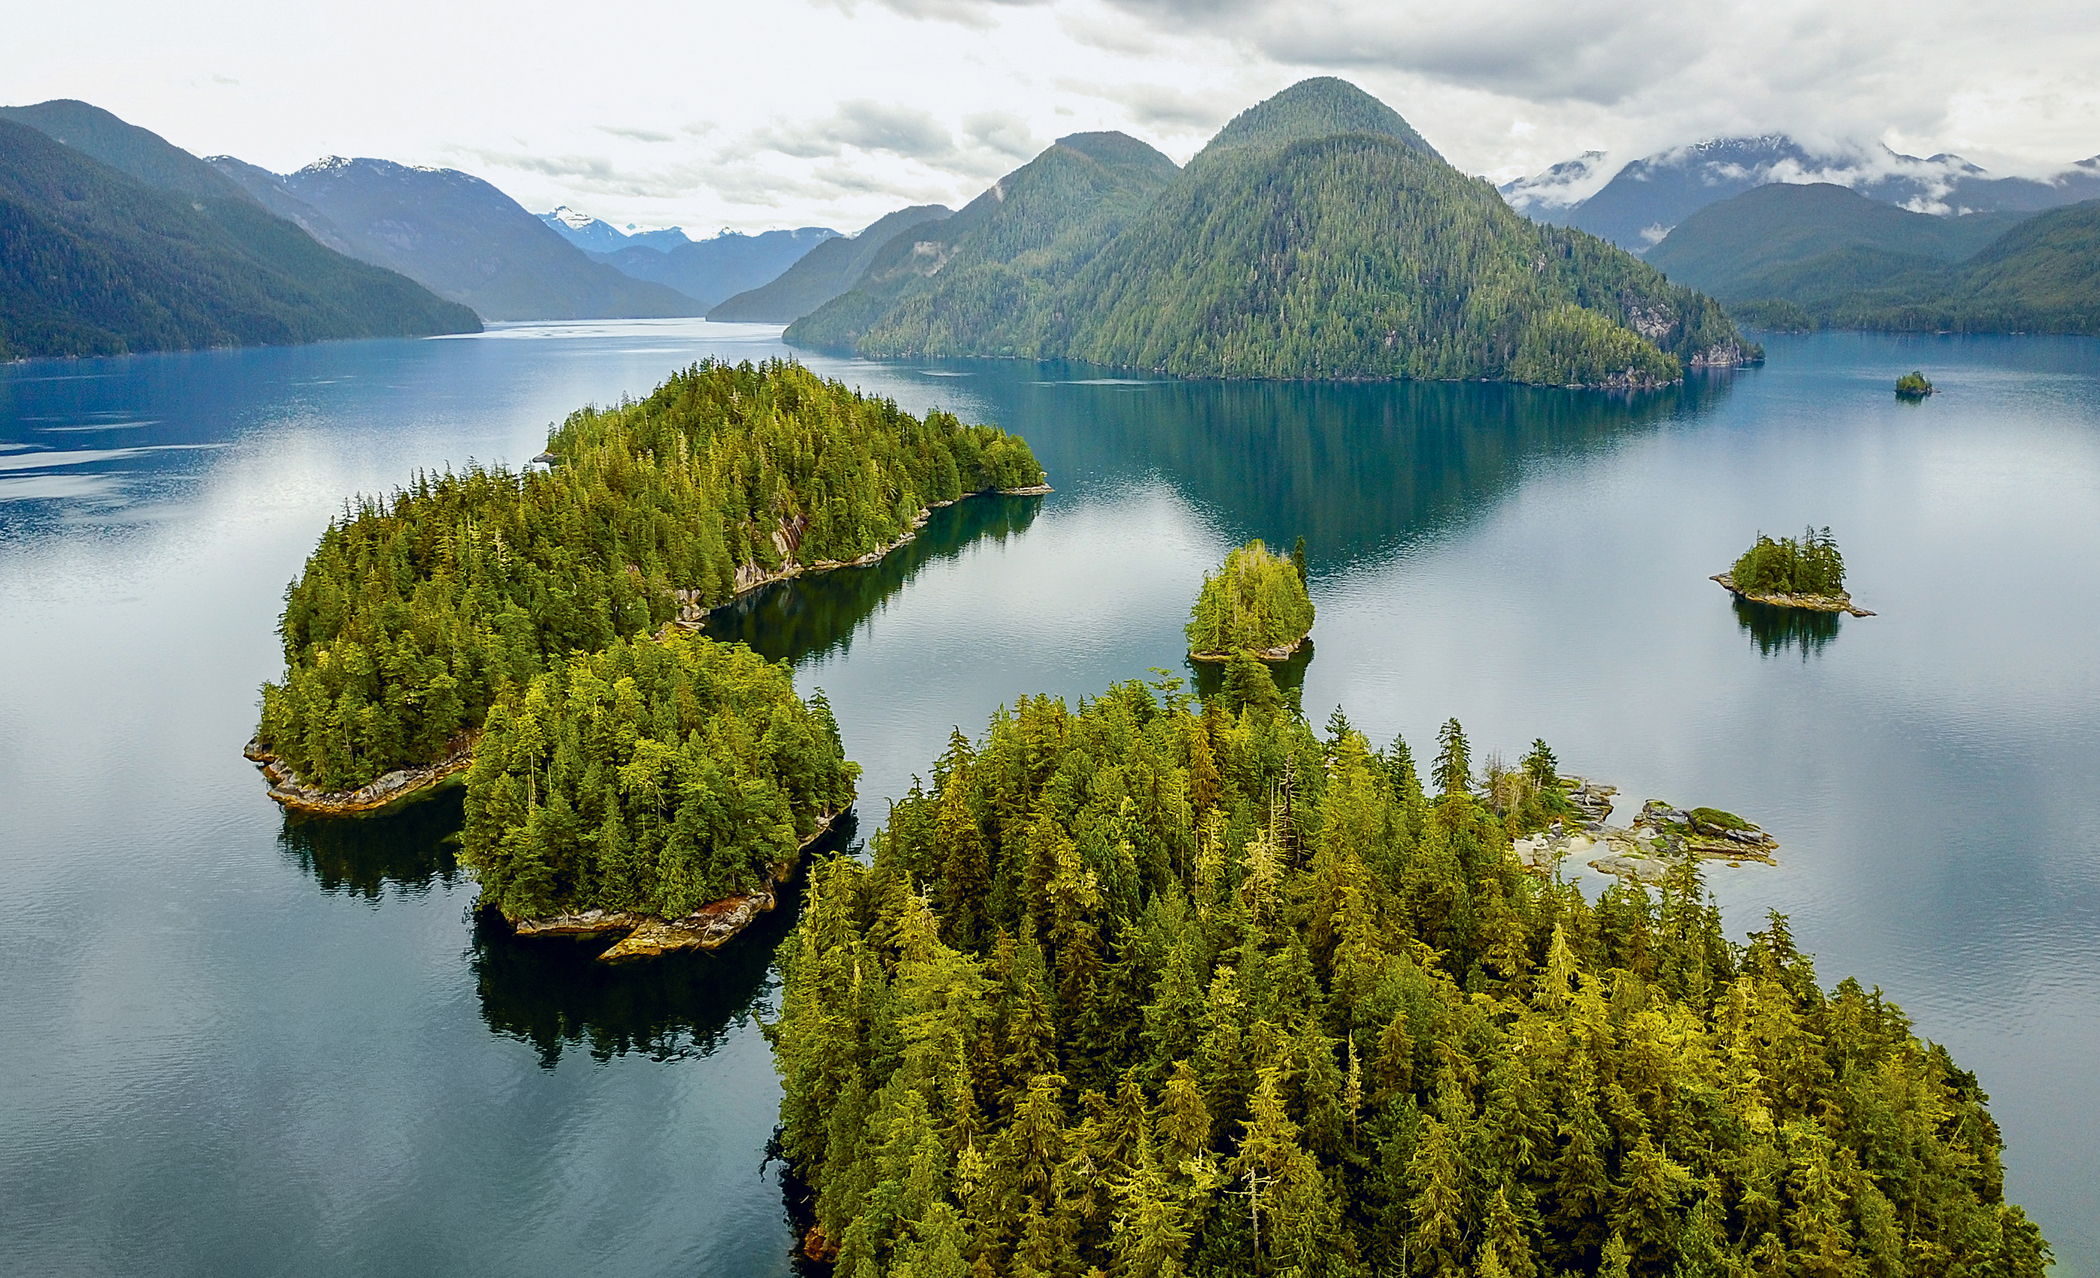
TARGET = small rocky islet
x,y
1661,838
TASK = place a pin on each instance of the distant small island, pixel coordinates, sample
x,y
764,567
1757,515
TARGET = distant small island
x,y
1912,385
1809,573
1255,603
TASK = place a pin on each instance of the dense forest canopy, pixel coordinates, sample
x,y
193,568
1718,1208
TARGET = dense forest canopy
x,y
417,612
1138,990
1810,566
1256,600
651,777
1317,236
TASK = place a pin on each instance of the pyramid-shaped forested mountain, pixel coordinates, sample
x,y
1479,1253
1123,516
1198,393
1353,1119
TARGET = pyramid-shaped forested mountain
x,y
970,284
1318,236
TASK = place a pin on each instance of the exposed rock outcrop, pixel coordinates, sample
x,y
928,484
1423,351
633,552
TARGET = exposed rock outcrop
x,y
403,785
1818,603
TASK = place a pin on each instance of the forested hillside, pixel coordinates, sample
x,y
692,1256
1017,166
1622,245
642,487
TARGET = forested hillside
x,y
976,283
1317,236
826,271
1824,257
417,612
93,262
1138,990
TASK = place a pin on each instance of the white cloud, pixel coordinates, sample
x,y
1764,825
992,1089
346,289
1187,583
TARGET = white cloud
x,y
711,112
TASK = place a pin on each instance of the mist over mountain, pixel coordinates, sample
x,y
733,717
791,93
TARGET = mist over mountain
x,y
1317,235
159,252
457,235
826,271
1643,200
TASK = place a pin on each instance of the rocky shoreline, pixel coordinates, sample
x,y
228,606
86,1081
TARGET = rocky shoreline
x,y
1660,838
405,785
1816,603
692,613
710,927
1280,653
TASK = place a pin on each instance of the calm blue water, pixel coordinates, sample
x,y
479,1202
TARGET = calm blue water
x,y
233,1046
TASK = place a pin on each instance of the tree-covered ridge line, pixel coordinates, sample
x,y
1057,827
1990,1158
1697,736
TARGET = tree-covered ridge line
x,y
419,612
1317,237
1135,989
649,781
1256,602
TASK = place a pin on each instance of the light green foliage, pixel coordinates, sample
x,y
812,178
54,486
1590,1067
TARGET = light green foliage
x,y
1256,600
1912,385
417,613
651,776
1810,566
1137,989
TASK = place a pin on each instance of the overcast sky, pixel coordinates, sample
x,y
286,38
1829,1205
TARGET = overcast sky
x,y
832,112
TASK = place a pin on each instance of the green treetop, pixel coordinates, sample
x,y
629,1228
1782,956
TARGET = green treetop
x,y
1137,988
416,613
1912,385
653,776
1810,566
1256,601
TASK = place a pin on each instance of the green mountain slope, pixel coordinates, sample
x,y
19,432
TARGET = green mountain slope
x,y
93,262
980,282
1317,236
826,271
144,155
1782,239
1823,256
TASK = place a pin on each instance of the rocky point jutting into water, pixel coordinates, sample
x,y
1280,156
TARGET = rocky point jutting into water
x,y
1661,837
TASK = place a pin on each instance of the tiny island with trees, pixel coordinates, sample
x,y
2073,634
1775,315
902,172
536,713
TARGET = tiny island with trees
x,y
1912,385
1789,573
1255,603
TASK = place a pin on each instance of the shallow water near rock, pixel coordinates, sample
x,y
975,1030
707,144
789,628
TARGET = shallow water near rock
x,y
237,1044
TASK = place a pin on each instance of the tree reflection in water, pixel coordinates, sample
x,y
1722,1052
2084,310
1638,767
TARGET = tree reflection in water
x,y
1774,629
410,849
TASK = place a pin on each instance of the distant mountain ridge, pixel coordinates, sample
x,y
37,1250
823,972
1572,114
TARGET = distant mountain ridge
x,y
151,249
594,236
1317,236
457,235
966,284
1645,199
1813,256
826,271
712,270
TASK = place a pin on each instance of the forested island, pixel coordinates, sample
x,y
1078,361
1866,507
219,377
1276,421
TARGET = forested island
x,y
1913,385
1147,988
419,612
1808,573
1256,603
659,788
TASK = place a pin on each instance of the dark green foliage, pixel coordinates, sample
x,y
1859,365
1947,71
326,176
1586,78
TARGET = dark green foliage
x,y
1810,566
1256,600
652,776
1137,990
94,263
1912,385
1316,237
1717,819
417,612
